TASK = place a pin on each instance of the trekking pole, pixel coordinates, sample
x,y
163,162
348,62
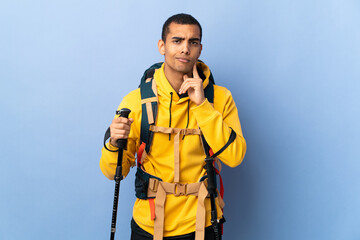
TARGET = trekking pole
x,y
210,170
121,144
212,191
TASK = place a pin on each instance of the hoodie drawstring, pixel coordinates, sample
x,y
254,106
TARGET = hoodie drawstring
x,y
171,93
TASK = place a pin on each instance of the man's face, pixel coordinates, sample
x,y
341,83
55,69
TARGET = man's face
x,y
182,47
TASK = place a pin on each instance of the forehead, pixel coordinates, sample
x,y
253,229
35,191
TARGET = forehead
x,y
183,31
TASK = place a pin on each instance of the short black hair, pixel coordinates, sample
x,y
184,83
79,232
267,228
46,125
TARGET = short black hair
x,y
181,18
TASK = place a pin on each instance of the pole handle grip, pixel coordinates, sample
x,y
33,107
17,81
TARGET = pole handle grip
x,y
124,112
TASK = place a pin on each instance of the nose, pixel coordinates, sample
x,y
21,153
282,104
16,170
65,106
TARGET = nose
x,y
185,48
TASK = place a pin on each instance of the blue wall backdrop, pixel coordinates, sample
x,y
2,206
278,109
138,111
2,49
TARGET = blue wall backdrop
x,y
292,66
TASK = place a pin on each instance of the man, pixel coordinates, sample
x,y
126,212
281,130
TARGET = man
x,y
176,157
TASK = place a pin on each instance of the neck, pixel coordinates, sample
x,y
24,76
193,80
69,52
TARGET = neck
x,y
175,78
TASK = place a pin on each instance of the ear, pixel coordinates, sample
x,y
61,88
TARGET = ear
x,y
161,47
200,49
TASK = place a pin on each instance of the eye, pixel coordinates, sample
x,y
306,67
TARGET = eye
x,y
177,41
194,43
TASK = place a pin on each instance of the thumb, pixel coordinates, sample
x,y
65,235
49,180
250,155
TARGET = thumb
x,y
185,77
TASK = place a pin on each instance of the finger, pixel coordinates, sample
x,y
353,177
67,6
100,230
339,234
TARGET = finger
x,y
195,72
187,86
185,89
185,78
197,81
116,125
122,120
119,133
122,126
114,139
116,134
194,83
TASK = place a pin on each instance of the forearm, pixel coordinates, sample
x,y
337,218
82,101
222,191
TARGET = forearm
x,y
216,128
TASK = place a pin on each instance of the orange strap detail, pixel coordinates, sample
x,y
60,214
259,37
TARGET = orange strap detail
x,y
140,152
218,173
211,152
221,184
222,196
152,208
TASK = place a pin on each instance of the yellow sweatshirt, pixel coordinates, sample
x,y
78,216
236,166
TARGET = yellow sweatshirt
x,y
214,122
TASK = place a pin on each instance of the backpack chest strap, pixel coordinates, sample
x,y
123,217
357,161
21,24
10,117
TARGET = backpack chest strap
x,y
178,189
178,132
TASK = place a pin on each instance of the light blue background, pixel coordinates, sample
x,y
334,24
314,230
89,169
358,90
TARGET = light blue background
x,y
293,69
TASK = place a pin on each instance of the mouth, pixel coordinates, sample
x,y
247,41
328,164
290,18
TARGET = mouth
x,y
183,60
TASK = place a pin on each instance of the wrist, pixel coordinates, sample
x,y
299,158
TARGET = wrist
x,y
200,101
113,144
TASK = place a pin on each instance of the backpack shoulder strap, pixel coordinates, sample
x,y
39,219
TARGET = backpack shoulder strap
x,y
149,104
209,94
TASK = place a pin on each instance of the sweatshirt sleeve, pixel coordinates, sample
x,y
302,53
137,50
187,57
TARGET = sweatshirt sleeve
x,y
108,160
216,123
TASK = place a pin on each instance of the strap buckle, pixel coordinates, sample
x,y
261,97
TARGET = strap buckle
x,y
180,189
153,184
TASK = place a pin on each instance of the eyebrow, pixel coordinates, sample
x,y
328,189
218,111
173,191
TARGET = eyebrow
x,y
191,39
195,39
